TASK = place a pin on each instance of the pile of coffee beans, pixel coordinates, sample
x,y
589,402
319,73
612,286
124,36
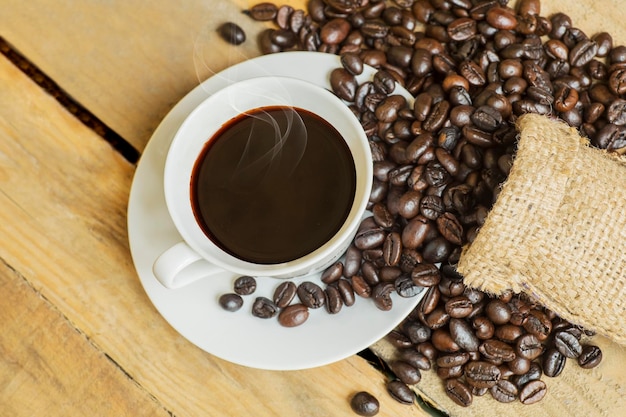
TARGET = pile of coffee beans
x,y
473,67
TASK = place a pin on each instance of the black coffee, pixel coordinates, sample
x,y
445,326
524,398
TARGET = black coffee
x,y
273,185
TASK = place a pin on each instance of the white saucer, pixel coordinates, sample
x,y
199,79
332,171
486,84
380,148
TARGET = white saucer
x,y
193,310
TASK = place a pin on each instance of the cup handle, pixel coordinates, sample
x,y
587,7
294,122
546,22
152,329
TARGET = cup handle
x,y
170,268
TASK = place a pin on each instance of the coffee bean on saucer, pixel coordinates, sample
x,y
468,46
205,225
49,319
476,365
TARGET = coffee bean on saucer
x,y
231,301
245,285
293,315
364,404
264,308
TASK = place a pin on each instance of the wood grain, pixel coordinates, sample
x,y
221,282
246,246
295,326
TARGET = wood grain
x,y
63,193
50,368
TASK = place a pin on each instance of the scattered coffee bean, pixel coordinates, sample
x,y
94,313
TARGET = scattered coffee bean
x,y
459,392
364,404
293,315
311,294
231,302
590,357
232,33
533,392
284,293
245,285
400,392
264,308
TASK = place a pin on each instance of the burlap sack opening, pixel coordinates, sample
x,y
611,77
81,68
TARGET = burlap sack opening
x,y
558,229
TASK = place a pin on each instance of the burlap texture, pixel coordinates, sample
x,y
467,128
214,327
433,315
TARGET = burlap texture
x,y
558,229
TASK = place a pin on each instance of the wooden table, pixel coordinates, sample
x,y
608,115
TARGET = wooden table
x,y
78,334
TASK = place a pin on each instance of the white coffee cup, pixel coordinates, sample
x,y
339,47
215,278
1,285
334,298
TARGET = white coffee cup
x,y
173,267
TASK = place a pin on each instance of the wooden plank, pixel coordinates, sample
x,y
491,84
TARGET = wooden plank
x,y
49,368
63,193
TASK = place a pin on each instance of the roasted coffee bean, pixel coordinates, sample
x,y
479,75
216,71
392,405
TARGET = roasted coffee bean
x,y
431,207
370,272
504,391
501,18
416,232
453,359
381,295
538,324
437,250
443,342
509,333
528,346
406,373
604,41
284,38
484,327
399,339
519,365
590,357
459,306
262,11
390,273
369,238
400,392
333,302
264,308
534,373
498,312
616,112
583,52
332,273
567,344
232,33
462,29
231,301
352,62
414,358
343,83
497,351
429,302
553,362
459,392
335,31
244,285
293,315
533,392
360,286
463,336
416,332
363,403
450,228
487,118
284,294
437,116
437,319
346,291
482,374
352,261
450,372
565,98
406,288
311,294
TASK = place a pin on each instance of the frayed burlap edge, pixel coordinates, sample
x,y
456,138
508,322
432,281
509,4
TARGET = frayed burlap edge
x,y
558,229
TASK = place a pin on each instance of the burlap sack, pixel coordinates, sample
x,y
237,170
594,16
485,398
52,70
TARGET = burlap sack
x,y
558,229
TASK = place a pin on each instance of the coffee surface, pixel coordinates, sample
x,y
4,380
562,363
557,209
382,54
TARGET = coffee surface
x,y
273,185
